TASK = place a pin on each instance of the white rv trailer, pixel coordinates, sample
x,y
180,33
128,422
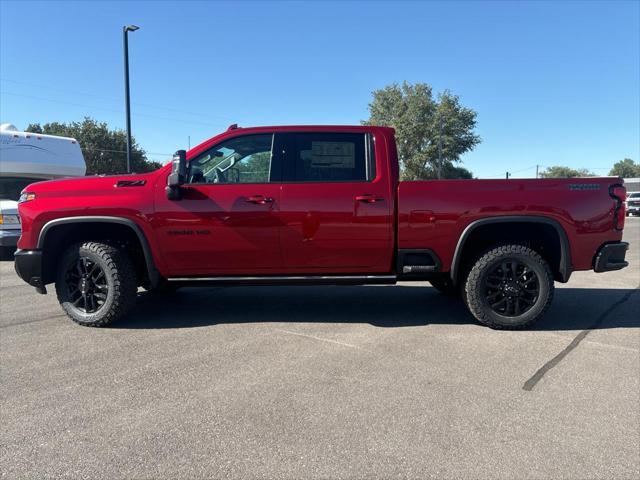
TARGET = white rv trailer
x,y
26,158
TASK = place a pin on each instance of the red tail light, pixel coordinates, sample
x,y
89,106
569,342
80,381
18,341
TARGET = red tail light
x,y
619,193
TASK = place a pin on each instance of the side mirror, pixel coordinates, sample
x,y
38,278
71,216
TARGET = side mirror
x,y
177,176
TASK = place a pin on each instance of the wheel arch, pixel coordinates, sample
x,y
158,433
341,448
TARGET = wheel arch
x,y
53,225
562,268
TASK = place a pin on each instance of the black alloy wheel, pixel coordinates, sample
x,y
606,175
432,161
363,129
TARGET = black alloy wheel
x,y
87,285
511,288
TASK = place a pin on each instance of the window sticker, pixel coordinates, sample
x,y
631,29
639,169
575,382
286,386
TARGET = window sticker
x,y
332,155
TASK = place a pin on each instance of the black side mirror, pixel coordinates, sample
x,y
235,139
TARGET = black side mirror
x,y
177,176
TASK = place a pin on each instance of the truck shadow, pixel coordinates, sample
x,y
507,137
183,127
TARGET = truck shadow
x,y
380,306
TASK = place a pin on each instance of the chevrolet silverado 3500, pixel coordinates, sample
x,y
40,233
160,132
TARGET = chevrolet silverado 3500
x,y
314,205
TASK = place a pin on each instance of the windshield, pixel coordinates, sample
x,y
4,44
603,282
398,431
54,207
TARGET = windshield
x,y
634,195
10,187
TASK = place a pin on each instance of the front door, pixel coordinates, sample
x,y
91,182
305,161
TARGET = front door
x,y
336,211
227,220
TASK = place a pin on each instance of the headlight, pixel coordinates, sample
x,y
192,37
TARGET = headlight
x,y
26,197
9,219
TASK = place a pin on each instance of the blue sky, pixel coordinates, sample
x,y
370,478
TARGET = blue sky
x,y
553,83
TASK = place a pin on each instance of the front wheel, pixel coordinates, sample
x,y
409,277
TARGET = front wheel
x,y
96,284
510,286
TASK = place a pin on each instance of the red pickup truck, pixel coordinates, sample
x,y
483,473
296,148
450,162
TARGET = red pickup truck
x,y
314,205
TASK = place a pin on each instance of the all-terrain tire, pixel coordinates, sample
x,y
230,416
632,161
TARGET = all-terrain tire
x,y
475,287
446,286
119,279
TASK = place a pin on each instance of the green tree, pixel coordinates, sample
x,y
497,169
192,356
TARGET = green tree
x,y
104,150
255,169
423,125
558,171
626,168
454,172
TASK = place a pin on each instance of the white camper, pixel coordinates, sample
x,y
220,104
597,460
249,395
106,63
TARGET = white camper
x,y
26,158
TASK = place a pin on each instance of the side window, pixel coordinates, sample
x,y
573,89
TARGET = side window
x,y
330,157
245,159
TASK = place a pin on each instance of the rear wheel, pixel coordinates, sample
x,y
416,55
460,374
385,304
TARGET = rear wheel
x,y
96,284
510,286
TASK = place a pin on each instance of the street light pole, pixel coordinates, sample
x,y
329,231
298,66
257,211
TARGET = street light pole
x,y
439,169
125,42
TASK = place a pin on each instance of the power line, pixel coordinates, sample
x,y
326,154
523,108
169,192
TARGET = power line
x,y
540,168
113,99
120,151
110,109
515,171
524,169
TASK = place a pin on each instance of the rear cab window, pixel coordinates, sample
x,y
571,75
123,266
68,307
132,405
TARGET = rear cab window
x,y
329,157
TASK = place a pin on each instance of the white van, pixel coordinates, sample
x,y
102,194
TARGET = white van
x,y
26,158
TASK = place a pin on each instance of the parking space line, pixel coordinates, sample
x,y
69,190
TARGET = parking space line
x,y
322,339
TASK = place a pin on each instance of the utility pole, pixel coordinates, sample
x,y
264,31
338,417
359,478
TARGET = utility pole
x,y
507,177
189,142
125,43
439,169
537,170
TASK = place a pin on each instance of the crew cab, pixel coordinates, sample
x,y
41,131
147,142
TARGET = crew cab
x,y
314,205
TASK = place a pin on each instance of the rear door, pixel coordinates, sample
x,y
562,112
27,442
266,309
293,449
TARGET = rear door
x,y
335,205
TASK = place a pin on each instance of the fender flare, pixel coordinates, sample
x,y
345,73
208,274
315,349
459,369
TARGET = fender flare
x,y
152,271
564,268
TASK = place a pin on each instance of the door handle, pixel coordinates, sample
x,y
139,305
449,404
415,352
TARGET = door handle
x,y
368,198
259,199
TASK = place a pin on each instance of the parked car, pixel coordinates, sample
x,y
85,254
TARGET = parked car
x,y
314,205
633,203
9,226
26,158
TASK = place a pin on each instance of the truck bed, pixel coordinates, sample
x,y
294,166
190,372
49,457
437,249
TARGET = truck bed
x,y
437,212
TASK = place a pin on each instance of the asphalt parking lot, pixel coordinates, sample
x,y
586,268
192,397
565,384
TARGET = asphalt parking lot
x,y
324,382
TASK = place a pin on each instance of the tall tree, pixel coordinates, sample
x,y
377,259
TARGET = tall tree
x,y
427,129
559,171
104,150
626,168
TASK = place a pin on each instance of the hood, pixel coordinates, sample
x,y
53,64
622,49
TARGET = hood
x,y
91,183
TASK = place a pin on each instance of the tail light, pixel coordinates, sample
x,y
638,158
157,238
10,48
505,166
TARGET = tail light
x,y
619,193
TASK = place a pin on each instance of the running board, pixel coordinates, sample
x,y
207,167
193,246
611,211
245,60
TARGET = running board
x,y
419,269
289,280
